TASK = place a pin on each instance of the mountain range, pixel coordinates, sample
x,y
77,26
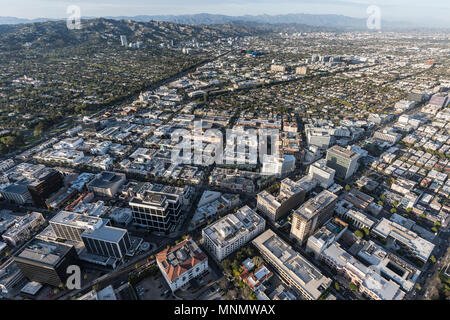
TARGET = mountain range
x,y
314,20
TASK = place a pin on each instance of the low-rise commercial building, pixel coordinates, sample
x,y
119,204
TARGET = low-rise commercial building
x,y
296,271
182,263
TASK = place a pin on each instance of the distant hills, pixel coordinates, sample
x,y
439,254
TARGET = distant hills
x,y
314,20
56,34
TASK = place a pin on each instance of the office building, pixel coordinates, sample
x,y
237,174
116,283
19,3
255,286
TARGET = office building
x,y
330,232
358,219
232,232
22,228
312,214
107,241
98,237
296,271
158,207
70,225
343,161
303,70
46,262
123,41
10,276
106,184
45,183
16,192
390,266
182,263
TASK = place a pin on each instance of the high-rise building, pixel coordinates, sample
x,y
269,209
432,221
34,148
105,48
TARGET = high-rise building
x,y
303,70
98,237
158,207
46,261
291,196
343,161
322,173
124,41
47,182
312,214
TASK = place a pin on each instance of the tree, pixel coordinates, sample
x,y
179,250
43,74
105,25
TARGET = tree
x,y
257,260
409,210
359,234
393,210
433,259
366,231
353,287
336,286
347,187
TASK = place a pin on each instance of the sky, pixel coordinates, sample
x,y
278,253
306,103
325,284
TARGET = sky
x,y
420,11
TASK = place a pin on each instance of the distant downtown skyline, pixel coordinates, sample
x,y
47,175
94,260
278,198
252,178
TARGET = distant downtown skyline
x,y
433,12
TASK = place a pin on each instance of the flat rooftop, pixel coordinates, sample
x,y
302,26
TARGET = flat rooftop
x,y
77,220
314,205
106,233
233,226
45,252
297,267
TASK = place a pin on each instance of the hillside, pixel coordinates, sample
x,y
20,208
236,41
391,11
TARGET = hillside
x,y
56,34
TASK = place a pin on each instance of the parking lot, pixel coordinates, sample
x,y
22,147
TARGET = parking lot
x,y
154,288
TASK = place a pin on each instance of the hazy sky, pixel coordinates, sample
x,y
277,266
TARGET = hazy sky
x,y
421,11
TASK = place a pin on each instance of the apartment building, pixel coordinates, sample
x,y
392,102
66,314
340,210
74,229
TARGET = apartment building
x,y
228,234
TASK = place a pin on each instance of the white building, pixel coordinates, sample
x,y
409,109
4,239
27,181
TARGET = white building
x,y
300,274
321,172
232,232
23,227
182,263
404,238
369,281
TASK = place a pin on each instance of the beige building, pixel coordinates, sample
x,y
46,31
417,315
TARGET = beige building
x,y
312,214
291,195
295,270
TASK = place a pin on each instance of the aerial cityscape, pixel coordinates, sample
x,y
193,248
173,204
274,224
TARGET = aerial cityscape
x,y
188,156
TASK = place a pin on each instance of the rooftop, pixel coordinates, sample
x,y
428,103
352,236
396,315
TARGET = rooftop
x,y
45,252
233,226
314,205
303,272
